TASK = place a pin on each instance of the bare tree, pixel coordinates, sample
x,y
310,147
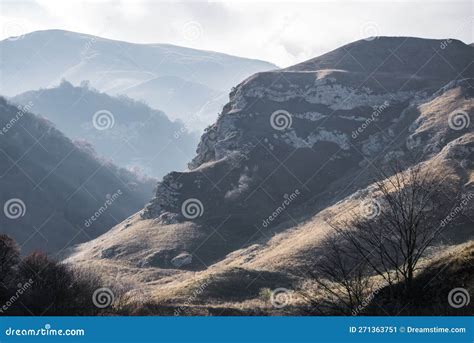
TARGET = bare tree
x,y
341,278
408,209
386,242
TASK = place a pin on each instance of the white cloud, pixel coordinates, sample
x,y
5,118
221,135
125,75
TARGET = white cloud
x,y
281,32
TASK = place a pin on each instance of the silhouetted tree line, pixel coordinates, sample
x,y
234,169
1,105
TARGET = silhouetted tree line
x,y
37,285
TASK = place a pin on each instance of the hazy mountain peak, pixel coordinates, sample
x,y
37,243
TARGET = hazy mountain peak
x,y
119,67
392,55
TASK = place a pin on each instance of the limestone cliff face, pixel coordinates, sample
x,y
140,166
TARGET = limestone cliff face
x,y
291,148
307,127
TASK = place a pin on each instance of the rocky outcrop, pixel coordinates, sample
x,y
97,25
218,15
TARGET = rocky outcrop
x,y
305,128
308,126
288,154
182,259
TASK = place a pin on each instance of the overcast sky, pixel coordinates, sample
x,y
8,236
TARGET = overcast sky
x,y
280,32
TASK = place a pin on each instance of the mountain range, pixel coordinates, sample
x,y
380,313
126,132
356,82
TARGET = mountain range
x,y
128,132
185,83
292,149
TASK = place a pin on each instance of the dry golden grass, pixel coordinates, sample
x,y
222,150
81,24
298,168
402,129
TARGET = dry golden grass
x,y
289,251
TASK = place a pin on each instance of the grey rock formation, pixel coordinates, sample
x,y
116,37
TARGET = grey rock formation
x,y
182,259
187,84
311,125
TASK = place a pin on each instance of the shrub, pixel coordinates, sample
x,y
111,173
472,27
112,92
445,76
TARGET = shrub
x,y
9,257
265,294
37,285
57,288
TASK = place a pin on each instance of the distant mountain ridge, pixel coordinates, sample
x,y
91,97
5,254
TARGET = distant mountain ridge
x,y
134,136
116,67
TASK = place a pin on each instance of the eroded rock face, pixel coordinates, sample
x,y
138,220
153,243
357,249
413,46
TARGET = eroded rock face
x,y
305,128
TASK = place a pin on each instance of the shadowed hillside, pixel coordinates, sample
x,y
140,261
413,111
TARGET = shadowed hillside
x,y
54,193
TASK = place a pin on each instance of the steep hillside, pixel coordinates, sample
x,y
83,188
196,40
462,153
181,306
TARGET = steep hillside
x,y
119,67
291,149
128,132
55,194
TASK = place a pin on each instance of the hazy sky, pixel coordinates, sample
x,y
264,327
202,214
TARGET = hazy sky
x,y
280,32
